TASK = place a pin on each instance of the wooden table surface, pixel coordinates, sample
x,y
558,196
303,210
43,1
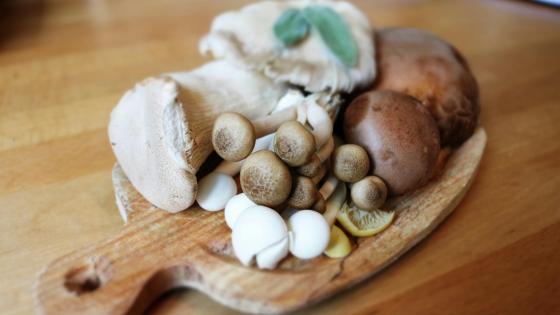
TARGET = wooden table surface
x,y
64,65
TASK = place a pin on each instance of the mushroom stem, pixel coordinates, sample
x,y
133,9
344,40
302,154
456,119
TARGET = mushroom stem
x,y
320,122
321,173
270,123
232,168
310,169
335,202
329,186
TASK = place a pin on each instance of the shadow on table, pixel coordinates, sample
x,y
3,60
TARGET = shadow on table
x,y
19,19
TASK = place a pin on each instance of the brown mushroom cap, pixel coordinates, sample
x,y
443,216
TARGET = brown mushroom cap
x,y
369,193
428,68
293,143
304,193
350,163
399,134
265,179
233,136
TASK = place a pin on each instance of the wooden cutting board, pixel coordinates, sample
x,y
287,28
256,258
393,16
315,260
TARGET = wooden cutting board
x,y
157,251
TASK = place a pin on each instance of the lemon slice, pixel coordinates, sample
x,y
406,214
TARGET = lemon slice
x,y
339,245
364,223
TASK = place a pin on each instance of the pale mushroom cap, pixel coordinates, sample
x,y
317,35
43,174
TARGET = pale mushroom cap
x,y
233,136
369,193
293,143
304,193
269,257
265,179
310,234
246,37
215,190
235,206
350,163
255,230
160,130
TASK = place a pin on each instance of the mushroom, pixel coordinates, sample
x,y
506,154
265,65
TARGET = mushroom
x,y
265,179
350,163
246,37
317,160
260,234
293,143
398,133
216,189
216,199
369,193
426,67
160,129
304,193
235,206
233,136
309,234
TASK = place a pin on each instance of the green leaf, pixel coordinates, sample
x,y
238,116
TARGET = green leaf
x,y
334,31
291,27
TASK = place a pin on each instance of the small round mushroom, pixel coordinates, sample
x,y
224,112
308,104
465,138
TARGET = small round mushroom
x,y
350,163
265,179
216,189
310,234
233,136
235,206
369,193
293,143
304,193
398,133
260,231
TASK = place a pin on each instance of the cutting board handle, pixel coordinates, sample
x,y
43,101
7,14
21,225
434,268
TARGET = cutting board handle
x,y
122,275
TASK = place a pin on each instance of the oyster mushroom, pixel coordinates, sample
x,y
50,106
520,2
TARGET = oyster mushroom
x,y
160,130
246,37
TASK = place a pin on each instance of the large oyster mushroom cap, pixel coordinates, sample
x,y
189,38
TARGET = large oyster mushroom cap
x,y
246,37
160,130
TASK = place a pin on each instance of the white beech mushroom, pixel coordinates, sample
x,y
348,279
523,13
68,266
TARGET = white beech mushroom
x,y
265,179
160,129
246,37
235,206
369,193
309,234
293,143
350,163
260,234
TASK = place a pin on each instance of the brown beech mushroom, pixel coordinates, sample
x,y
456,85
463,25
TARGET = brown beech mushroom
x,y
265,179
428,68
304,193
293,143
369,193
350,163
399,134
233,136
313,167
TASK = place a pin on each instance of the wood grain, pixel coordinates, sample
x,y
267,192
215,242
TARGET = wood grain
x,y
157,251
64,64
